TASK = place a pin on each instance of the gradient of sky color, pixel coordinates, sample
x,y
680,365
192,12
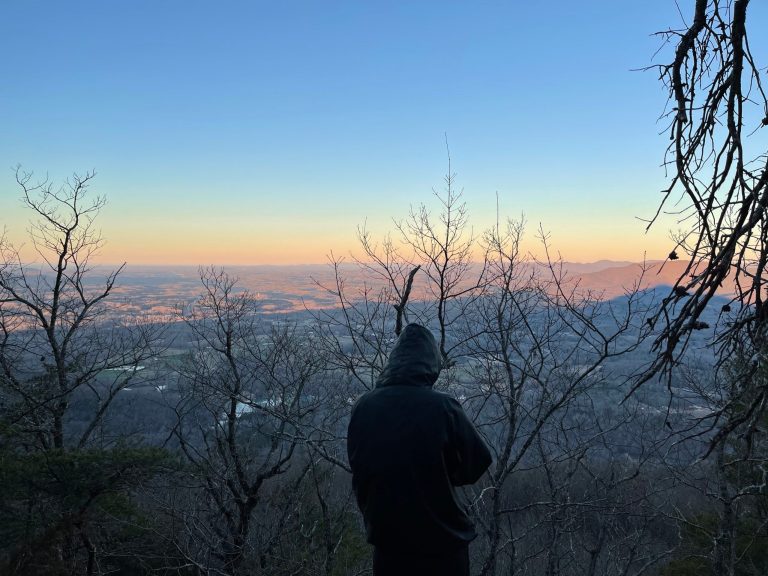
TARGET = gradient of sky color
x,y
264,132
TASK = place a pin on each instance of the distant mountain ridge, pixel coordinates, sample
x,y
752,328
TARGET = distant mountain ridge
x,y
588,267
615,280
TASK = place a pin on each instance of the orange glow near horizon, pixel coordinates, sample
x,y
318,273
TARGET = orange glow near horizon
x,y
251,239
239,251
229,247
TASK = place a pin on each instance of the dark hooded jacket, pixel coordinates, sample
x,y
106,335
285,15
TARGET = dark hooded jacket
x,y
408,447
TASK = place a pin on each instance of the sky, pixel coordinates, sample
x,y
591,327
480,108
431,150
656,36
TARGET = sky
x,y
250,132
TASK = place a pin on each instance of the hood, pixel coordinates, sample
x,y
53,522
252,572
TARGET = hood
x,y
414,361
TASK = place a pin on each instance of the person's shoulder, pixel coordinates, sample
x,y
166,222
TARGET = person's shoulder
x,y
376,395
372,397
364,398
448,400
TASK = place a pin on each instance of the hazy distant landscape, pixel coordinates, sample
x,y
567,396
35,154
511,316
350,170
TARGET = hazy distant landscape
x,y
155,291
294,296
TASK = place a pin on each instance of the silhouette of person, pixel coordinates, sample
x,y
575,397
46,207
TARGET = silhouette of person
x,y
408,447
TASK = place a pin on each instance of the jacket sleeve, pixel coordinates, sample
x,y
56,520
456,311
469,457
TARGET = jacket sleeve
x,y
467,455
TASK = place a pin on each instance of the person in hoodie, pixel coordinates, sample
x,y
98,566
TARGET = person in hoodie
x,y
409,446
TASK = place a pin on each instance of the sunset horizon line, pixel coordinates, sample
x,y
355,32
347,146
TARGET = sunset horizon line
x,y
350,261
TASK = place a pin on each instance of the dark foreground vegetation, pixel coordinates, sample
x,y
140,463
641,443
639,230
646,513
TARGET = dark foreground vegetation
x,y
628,434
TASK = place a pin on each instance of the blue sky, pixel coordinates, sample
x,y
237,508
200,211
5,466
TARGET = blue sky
x,y
262,132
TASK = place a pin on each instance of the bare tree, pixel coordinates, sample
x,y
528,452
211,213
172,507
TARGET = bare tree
x,y
443,248
539,355
717,163
251,422
56,339
426,275
59,347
